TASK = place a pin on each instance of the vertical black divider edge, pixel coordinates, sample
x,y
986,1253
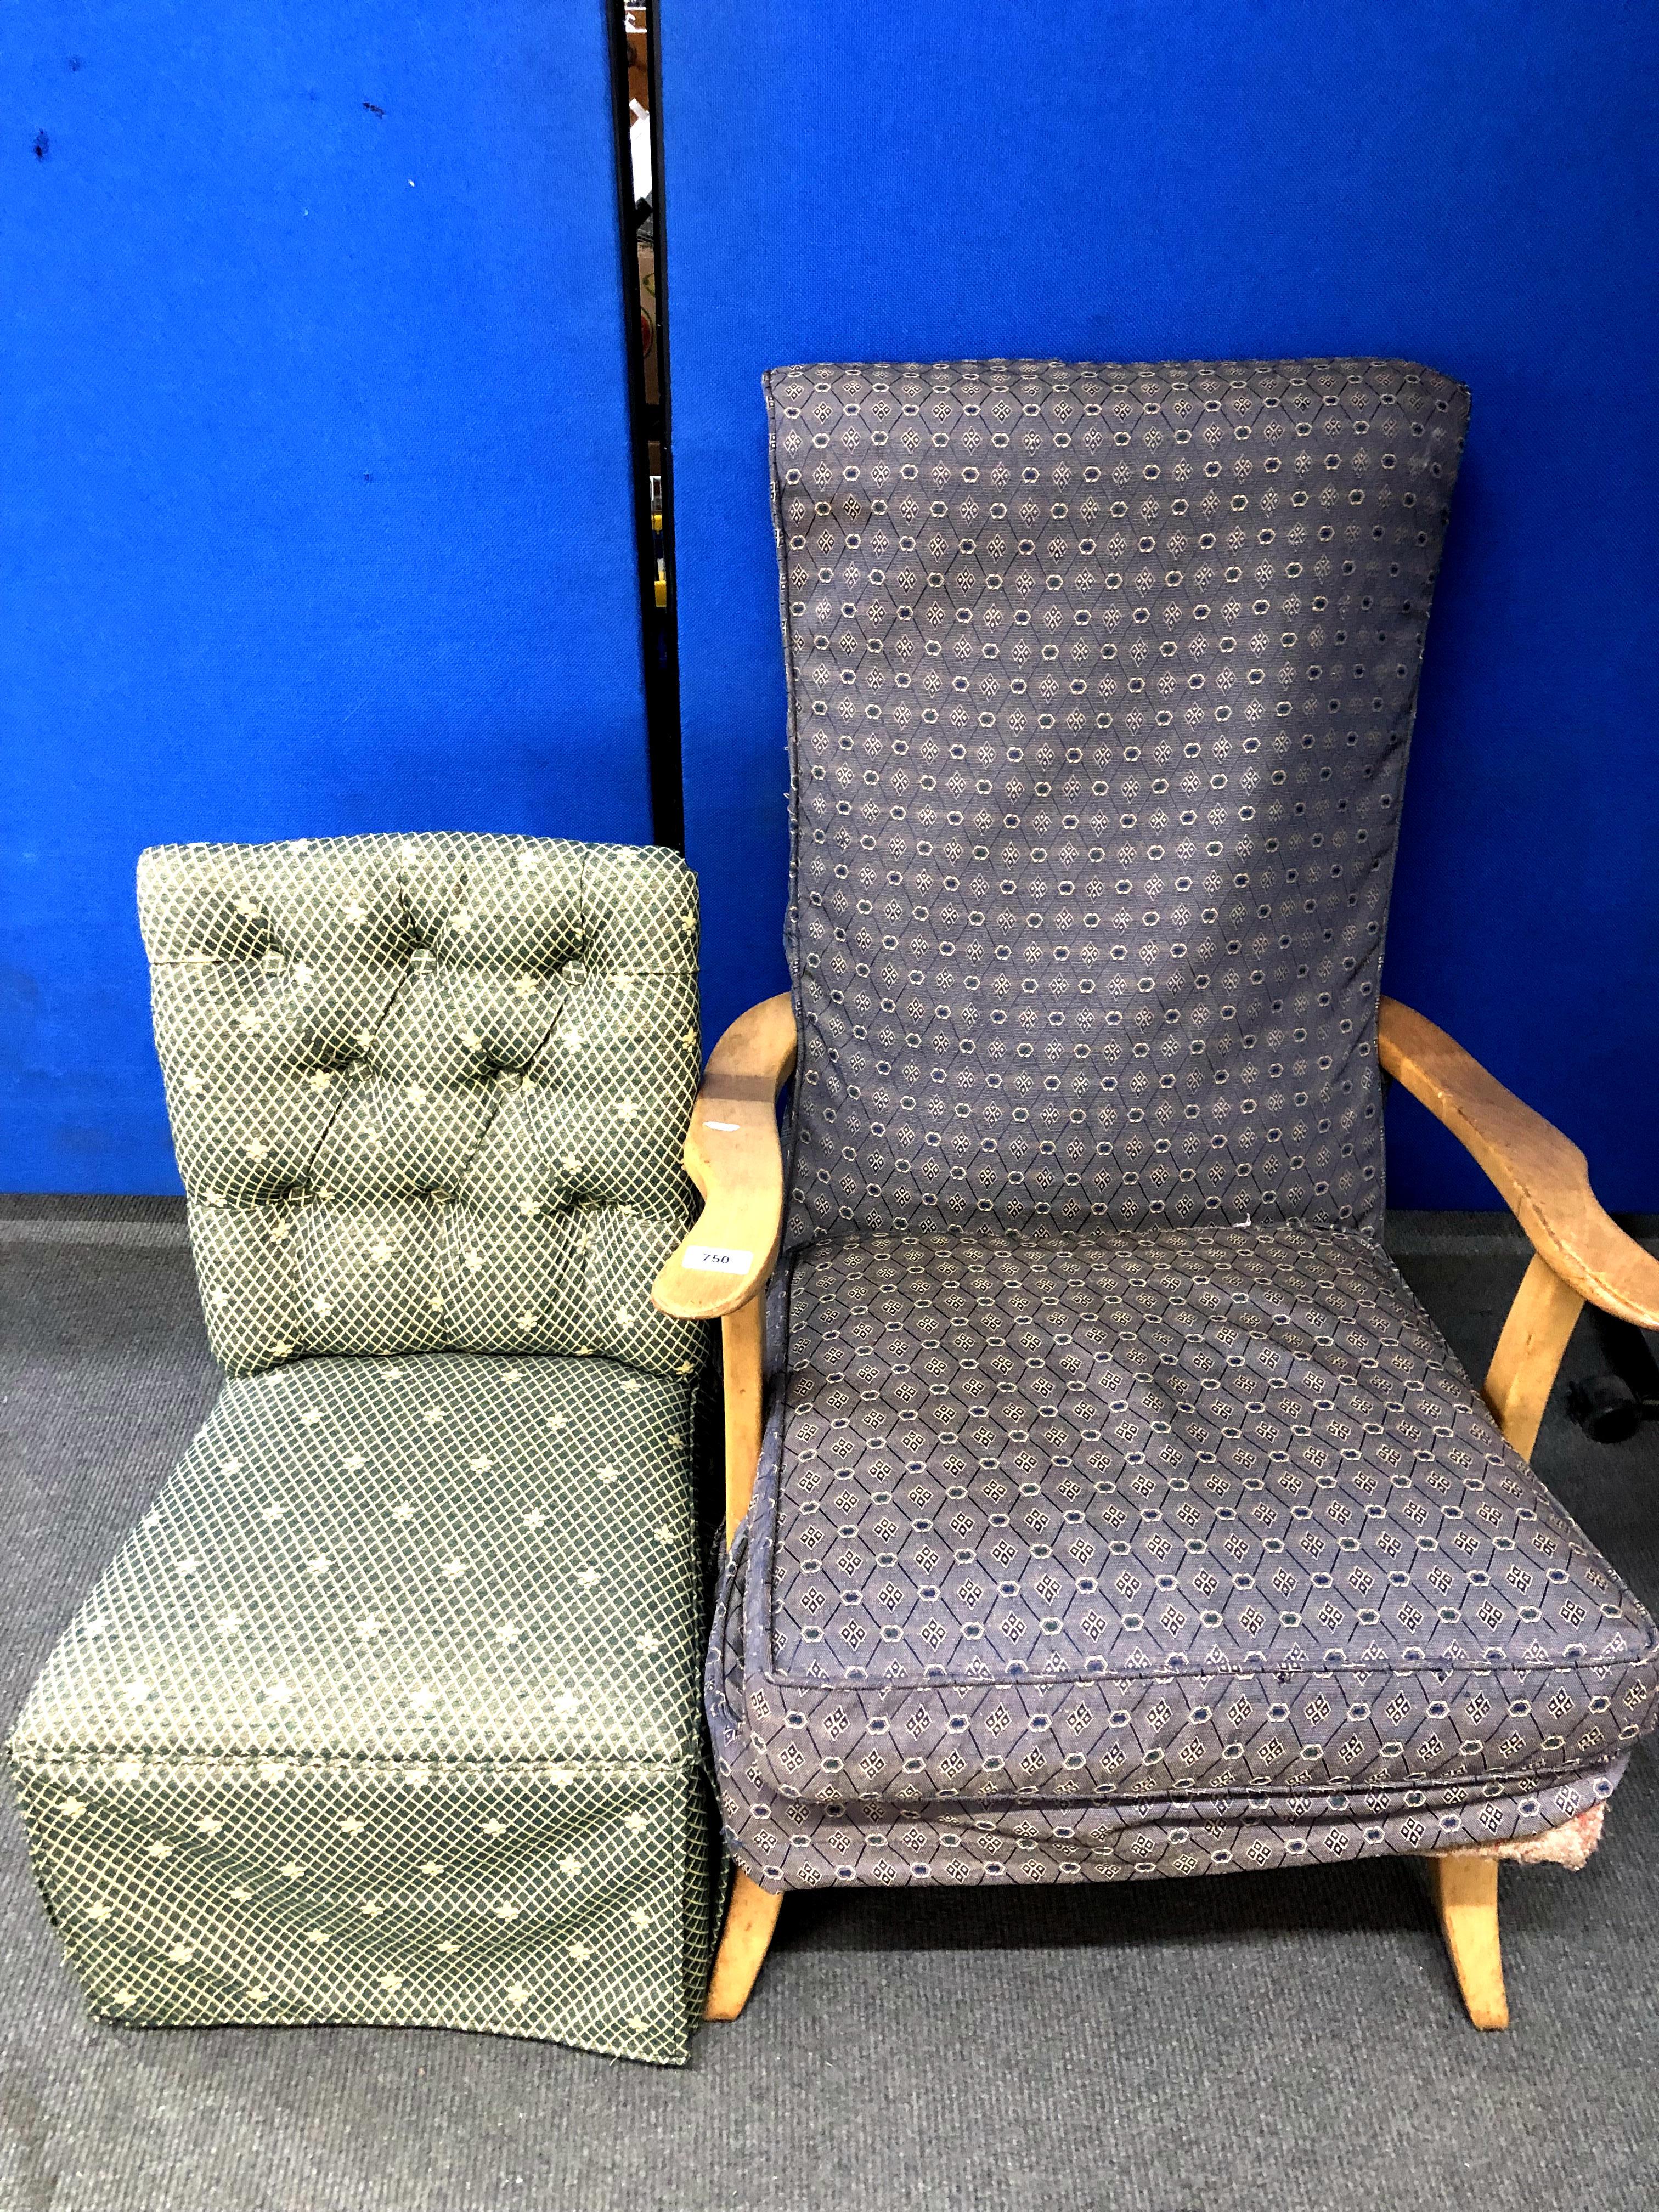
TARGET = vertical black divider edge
x,y
658,635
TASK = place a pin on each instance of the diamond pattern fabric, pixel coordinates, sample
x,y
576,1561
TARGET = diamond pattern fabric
x,y
387,1712
784,1844
1120,1512
429,1092
1071,1547
1102,679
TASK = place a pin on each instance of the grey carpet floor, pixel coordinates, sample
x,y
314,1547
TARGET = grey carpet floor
x,y
1273,2043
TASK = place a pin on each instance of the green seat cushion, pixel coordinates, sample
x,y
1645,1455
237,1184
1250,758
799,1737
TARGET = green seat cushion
x,y
388,1711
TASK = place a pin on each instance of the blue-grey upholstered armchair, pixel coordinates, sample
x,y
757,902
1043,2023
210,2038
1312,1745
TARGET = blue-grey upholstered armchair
x,y
1119,1512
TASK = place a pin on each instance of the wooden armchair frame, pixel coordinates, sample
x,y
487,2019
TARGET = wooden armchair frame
x,y
1579,1255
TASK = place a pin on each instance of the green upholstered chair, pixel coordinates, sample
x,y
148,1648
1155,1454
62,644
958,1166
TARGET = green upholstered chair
x,y
388,1709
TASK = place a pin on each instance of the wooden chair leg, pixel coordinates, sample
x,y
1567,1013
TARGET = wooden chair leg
x,y
751,1914
1465,1892
1529,1353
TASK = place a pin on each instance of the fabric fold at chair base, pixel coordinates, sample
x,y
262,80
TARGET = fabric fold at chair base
x,y
248,1893
784,1846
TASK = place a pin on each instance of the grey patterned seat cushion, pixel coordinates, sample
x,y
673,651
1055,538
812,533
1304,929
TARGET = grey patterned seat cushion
x,y
387,1711
1088,1534
1101,678
429,1091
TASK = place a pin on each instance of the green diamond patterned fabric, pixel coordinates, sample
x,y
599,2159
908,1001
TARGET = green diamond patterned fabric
x,y
429,1092
387,1711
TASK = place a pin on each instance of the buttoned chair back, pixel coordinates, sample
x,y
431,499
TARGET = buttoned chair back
x,y
1101,685
429,1092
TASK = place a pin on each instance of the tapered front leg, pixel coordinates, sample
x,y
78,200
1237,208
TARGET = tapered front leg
x,y
1465,1892
751,1917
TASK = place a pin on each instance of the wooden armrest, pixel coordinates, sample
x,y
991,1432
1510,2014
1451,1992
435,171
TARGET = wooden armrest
x,y
1541,1173
733,1156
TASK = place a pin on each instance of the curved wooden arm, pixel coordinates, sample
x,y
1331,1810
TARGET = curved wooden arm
x,y
1540,1173
731,1154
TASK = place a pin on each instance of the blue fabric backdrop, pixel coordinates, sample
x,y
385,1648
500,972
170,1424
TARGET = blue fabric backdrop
x,y
1467,182
316,501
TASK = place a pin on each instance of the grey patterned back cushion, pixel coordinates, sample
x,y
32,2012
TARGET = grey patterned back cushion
x,y
429,1092
1101,684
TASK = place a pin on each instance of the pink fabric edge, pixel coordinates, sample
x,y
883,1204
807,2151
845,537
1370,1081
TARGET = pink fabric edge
x,y
1569,1845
